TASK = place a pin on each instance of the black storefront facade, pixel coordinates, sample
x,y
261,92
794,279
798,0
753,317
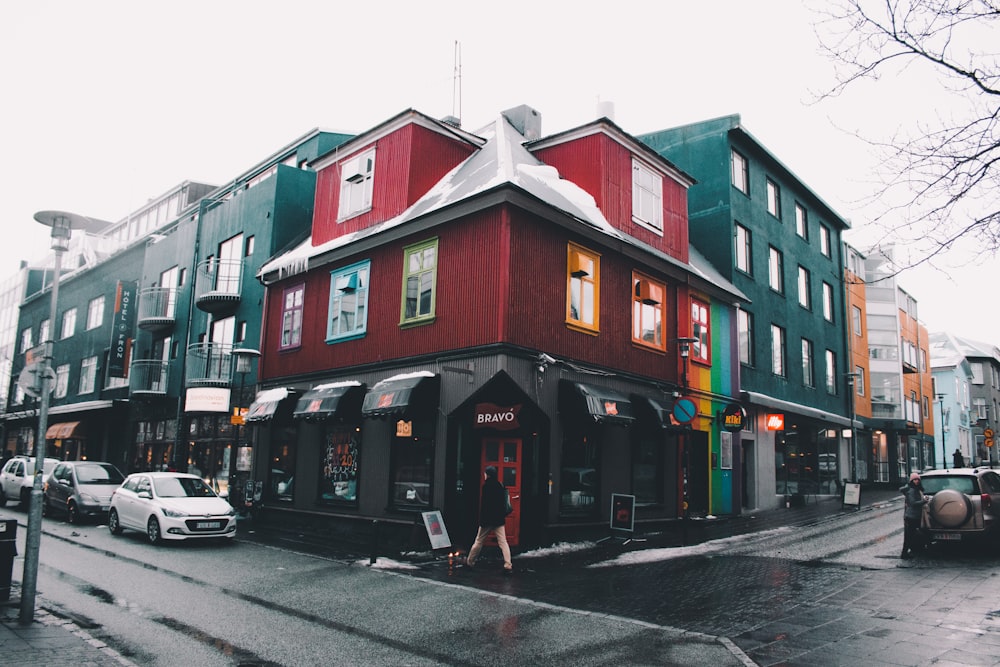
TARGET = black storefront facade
x,y
359,458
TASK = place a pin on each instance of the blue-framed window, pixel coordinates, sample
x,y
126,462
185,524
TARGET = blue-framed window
x,y
348,314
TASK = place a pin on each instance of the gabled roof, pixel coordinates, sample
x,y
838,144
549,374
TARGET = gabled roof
x,y
948,350
502,163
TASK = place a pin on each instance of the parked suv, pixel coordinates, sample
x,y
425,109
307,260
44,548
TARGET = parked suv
x,y
964,504
81,489
17,478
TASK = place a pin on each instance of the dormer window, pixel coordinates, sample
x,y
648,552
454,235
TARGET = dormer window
x,y
356,177
647,197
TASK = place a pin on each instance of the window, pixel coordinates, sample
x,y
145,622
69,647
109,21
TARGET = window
x,y
856,320
230,262
582,288
828,302
169,281
778,364
745,325
419,282
808,377
773,199
43,331
338,466
291,316
805,300
775,269
88,375
648,323
68,323
250,245
744,256
741,173
831,372
647,470
700,329
26,342
348,302
859,380
824,240
356,180
647,196
801,221
977,372
410,462
979,407
62,381
95,313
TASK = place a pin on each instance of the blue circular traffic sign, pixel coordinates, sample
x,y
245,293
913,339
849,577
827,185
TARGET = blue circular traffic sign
x,y
685,410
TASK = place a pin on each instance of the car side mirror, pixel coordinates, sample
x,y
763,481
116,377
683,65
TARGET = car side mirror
x,y
145,494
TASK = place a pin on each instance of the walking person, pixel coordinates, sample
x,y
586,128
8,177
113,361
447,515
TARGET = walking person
x,y
958,459
492,517
913,494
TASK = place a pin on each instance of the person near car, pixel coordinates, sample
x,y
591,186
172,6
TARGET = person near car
x,y
913,512
958,459
492,517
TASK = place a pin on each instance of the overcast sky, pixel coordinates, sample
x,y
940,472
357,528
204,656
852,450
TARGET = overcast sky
x,y
107,104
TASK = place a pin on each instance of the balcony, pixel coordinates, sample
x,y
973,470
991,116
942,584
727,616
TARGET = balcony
x,y
148,377
156,308
209,365
218,284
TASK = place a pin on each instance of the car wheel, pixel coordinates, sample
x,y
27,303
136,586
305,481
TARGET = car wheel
x,y
950,508
153,530
72,514
113,524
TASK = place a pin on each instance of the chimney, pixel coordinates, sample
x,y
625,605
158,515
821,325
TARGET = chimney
x,y
525,120
606,110
452,120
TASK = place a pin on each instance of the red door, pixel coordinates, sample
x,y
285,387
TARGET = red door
x,y
505,454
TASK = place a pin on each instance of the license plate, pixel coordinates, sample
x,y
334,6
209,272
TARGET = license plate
x,y
208,525
947,536
105,508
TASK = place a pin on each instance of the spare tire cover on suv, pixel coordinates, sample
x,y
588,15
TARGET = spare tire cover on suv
x,y
950,508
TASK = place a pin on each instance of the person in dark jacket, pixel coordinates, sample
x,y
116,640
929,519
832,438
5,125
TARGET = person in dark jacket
x,y
913,512
958,459
492,517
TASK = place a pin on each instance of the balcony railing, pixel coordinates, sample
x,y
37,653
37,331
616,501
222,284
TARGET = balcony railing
x,y
209,365
218,284
148,376
156,308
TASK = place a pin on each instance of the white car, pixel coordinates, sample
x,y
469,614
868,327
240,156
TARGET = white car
x,y
17,479
170,506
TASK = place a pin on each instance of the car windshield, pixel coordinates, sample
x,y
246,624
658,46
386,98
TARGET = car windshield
x,y
182,487
962,484
98,474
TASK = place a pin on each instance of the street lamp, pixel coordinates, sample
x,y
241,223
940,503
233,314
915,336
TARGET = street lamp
x,y
944,449
684,346
244,356
852,378
62,225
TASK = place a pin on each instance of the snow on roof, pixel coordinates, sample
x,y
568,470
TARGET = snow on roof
x,y
336,385
404,376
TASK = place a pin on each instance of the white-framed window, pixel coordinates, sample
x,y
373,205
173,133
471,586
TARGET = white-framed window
x,y
348,311
831,372
744,254
88,375
26,340
828,302
95,312
808,374
778,350
773,199
805,298
856,320
745,331
979,406
647,196
701,329
741,173
68,323
859,380
824,241
357,176
291,317
801,221
775,270
43,331
62,381
977,372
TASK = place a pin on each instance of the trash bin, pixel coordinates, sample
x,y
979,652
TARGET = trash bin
x,y
8,550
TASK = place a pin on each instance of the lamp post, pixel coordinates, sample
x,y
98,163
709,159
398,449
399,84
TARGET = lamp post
x,y
684,345
852,378
244,356
944,449
62,225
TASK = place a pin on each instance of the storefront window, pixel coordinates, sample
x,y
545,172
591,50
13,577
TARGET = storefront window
x,y
647,466
281,474
806,462
209,448
338,477
411,471
578,479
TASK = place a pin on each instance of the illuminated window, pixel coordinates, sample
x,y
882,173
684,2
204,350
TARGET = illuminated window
x,y
648,323
582,288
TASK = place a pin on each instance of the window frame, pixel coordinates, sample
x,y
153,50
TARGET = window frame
x,y
830,360
745,337
740,178
355,181
801,221
647,190
808,364
68,324
805,288
95,313
361,273
701,331
856,320
578,283
773,198
88,376
828,306
288,316
779,351
825,242
645,290
744,248
419,317
775,269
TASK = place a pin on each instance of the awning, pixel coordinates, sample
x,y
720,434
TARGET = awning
x,y
64,431
603,405
335,401
651,410
411,395
766,401
266,404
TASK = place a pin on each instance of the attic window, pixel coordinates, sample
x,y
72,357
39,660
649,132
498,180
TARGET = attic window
x,y
647,197
356,179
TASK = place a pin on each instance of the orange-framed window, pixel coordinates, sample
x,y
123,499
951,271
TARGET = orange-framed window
x,y
701,348
648,302
583,292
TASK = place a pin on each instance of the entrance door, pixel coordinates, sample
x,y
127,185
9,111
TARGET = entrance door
x,y
505,454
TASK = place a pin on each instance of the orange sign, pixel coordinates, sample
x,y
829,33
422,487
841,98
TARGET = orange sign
x,y
775,422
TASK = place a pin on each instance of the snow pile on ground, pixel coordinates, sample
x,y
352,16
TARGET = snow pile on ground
x,y
387,564
654,555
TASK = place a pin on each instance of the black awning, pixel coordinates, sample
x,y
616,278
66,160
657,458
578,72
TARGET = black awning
x,y
651,410
337,401
603,405
412,396
266,404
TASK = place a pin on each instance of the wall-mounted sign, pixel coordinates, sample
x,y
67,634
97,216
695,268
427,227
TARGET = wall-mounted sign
x,y
122,324
775,422
404,429
500,417
206,399
734,417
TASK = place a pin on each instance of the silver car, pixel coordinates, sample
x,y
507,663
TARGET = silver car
x,y
81,489
964,504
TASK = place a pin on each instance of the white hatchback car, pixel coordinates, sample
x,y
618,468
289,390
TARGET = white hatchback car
x,y
170,506
17,478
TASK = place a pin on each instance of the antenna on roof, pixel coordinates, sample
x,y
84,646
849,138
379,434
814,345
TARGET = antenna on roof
x,y
456,83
